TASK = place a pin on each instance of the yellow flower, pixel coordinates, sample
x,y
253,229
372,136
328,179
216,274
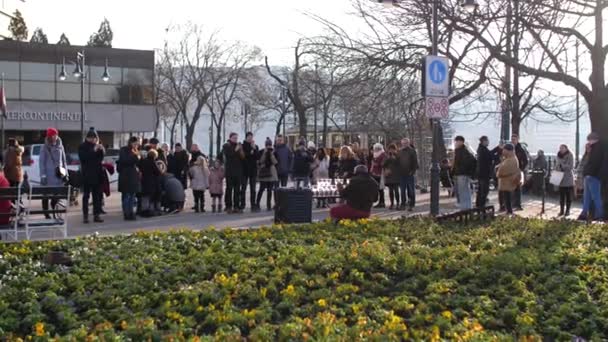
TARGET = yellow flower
x,y
39,327
289,291
199,309
478,327
263,291
249,313
394,322
435,334
334,276
447,314
322,303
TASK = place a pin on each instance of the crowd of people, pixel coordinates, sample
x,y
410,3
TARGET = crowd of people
x,y
153,179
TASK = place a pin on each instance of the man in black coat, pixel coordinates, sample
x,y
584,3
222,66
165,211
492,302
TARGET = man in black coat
x,y
522,158
464,170
486,160
181,160
232,156
250,170
195,152
91,155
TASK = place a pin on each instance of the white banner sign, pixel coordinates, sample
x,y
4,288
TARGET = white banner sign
x,y
437,107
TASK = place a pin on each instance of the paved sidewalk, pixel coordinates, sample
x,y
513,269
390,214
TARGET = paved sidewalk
x,y
114,224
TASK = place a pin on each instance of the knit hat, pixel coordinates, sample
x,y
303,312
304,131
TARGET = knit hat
x,y
268,142
302,142
51,132
311,145
154,141
92,133
509,147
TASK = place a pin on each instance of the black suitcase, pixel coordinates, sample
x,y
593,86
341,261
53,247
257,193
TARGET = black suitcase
x,y
293,205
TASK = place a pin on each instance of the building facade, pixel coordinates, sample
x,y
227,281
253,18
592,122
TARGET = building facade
x,y
7,9
37,98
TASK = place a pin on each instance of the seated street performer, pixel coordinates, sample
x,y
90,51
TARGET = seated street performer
x,y
360,195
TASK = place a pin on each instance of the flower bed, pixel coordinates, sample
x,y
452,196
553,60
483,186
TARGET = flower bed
x,y
524,280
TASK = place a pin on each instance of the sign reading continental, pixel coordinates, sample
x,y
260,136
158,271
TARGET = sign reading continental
x,y
43,116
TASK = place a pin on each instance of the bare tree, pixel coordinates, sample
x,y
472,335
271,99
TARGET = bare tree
x,y
200,66
554,28
295,84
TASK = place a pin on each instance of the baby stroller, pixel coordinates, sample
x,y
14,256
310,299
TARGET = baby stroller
x,y
75,182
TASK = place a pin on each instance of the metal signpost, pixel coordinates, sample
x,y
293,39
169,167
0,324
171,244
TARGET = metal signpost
x,y
437,107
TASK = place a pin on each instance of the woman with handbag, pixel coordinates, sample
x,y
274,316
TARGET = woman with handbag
x,y
53,166
267,174
509,176
565,165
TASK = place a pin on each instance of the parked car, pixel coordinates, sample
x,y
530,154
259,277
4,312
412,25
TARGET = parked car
x,y
31,159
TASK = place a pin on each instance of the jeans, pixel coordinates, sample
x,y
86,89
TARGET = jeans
x,y
593,195
199,200
233,192
506,197
268,186
393,194
464,192
380,192
252,180
128,203
346,212
565,198
45,206
408,186
482,193
95,191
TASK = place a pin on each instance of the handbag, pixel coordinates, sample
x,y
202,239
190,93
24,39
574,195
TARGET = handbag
x,y
60,171
556,178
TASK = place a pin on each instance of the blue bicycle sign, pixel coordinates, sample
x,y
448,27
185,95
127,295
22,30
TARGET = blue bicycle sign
x,y
436,76
437,72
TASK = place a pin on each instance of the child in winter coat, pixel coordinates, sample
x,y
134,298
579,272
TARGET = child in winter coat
x,y
216,186
199,182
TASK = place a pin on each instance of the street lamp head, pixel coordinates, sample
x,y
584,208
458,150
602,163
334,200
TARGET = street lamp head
x,y
106,74
62,74
78,71
470,5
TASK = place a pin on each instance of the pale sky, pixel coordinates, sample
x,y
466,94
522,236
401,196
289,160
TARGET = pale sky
x,y
273,25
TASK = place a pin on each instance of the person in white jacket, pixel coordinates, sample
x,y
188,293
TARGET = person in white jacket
x,y
199,182
320,170
320,166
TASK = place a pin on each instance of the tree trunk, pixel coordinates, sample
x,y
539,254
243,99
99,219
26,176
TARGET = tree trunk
x,y
218,136
190,136
303,122
172,140
279,124
325,129
515,122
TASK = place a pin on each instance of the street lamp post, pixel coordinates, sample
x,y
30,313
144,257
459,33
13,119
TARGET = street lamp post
x,y
81,73
315,99
469,5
